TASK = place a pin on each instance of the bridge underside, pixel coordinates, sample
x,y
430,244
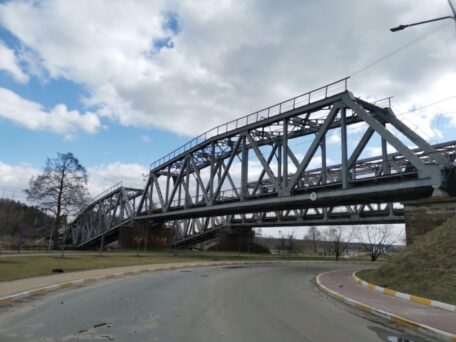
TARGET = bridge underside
x,y
304,161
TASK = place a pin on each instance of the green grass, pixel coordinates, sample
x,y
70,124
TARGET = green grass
x,y
427,268
12,268
435,292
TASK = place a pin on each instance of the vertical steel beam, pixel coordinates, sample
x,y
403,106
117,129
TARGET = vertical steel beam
x,y
343,137
244,168
285,154
279,161
324,171
212,173
187,181
168,180
151,189
385,164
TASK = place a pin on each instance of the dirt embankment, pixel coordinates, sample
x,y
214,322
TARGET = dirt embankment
x,y
426,268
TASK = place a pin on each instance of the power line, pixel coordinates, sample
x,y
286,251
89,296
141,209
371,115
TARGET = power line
x,y
392,53
429,105
351,128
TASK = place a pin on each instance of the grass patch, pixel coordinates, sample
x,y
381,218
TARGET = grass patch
x,y
427,268
12,268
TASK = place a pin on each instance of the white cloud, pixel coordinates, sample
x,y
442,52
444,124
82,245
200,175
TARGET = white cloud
x,y
10,63
14,179
32,115
102,177
228,58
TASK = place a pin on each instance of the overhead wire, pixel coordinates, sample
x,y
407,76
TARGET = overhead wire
x,y
351,128
396,51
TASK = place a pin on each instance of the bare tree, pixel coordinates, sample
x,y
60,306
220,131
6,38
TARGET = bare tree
x,y
338,239
291,243
138,240
282,244
61,189
377,239
313,235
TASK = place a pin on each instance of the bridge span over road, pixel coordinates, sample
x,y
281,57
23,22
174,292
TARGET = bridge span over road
x,y
280,166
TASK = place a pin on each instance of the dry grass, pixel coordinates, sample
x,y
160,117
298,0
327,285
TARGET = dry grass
x,y
427,268
12,268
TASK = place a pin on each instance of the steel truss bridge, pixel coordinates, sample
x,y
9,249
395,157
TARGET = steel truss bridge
x,y
271,168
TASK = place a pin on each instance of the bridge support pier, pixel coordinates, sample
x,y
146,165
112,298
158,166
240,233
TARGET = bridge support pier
x,y
238,239
131,235
422,216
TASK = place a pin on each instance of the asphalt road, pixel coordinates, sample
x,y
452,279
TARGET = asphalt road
x,y
231,303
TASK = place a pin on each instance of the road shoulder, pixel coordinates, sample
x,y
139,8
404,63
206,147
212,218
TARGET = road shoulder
x,y
431,321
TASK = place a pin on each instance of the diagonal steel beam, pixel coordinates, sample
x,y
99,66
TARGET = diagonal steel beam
x,y
360,147
292,157
228,176
199,180
313,147
391,118
263,162
387,135
157,188
230,161
263,171
177,184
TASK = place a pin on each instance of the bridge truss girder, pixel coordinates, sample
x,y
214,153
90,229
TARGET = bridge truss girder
x,y
245,172
104,216
177,188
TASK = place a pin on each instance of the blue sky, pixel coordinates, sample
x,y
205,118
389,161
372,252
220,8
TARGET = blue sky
x,y
121,94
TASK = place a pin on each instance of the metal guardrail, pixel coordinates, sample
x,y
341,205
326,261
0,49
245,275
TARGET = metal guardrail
x,y
279,108
107,191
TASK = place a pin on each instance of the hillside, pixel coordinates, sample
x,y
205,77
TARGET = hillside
x,y
15,215
426,268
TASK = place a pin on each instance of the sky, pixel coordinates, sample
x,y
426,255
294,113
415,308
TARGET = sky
x,y
122,83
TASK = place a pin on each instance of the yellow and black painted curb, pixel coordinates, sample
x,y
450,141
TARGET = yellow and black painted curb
x,y
442,335
411,298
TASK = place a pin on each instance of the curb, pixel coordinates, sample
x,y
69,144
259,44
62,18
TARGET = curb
x,y
84,281
445,336
406,296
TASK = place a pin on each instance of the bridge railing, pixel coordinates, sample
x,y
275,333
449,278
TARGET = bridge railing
x,y
105,192
279,108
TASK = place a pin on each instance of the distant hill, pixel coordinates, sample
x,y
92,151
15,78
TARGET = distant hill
x,y
19,218
426,268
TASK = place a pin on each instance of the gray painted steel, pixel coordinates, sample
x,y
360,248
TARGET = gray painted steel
x,y
250,166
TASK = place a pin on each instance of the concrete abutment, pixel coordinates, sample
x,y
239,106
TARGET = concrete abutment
x,y
422,216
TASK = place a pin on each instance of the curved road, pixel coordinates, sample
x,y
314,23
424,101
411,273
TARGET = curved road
x,y
227,303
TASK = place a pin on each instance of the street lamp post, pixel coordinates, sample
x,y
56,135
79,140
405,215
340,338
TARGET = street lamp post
x,y
452,17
